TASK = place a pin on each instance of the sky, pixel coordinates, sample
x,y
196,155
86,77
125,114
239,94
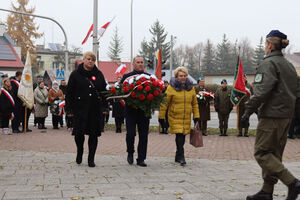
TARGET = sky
x,y
190,21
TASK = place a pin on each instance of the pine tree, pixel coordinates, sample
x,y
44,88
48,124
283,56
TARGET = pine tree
x,y
22,28
246,55
223,57
116,46
208,61
158,41
259,53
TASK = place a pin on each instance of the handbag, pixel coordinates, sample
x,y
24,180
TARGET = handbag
x,y
196,138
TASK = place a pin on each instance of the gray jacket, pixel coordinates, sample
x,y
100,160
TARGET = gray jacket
x,y
41,102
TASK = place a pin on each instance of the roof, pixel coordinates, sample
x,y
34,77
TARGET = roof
x,y
9,57
108,69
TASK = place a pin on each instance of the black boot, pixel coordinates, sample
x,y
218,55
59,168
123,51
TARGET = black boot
x,y
79,140
93,142
294,190
261,195
225,132
180,140
221,132
79,156
130,158
246,133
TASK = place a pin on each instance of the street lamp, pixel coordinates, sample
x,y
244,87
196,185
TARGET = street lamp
x,y
131,34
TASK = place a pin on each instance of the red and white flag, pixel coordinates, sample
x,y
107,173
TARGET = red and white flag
x,y
62,104
121,69
88,34
103,28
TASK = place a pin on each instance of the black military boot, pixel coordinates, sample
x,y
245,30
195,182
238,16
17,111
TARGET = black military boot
x,y
225,132
261,195
246,133
294,190
221,132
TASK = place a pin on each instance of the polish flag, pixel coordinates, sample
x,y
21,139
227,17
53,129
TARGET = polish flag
x,y
121,69
103,28
62,104
87,35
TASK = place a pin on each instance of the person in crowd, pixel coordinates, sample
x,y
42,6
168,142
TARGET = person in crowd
x,y
85,101
118,110
275,95
63,88
6,105
164,123
41,105
136,117
55,97
18,109
223,106
204,107
182,103
241,110
69,115
35,85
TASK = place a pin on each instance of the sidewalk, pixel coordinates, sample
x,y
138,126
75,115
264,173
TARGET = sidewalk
x,y
40,166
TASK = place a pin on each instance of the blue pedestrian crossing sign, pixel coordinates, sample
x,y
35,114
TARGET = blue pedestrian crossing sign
x,y
60,75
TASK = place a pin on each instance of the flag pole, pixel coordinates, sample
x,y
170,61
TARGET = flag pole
x,y
25,120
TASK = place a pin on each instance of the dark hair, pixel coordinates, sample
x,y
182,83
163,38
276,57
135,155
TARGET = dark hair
x,y
18,73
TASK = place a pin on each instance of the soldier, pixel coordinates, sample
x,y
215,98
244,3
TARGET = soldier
x,y
223,106
241,110
204,107
275,92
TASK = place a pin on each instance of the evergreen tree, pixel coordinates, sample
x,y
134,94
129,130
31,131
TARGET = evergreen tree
x,y
259,53
158,41
246,55
116,46
22,28
208,61
223,57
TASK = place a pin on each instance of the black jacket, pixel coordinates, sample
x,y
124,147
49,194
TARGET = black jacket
x,y
129,111
14,92
84,99
6,107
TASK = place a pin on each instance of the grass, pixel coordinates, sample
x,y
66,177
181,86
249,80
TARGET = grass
x,y
211,131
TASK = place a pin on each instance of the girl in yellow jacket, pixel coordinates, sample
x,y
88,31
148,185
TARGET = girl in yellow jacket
x,y
181,103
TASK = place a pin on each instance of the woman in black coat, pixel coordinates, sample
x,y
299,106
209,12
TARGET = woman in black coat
x,y
85,101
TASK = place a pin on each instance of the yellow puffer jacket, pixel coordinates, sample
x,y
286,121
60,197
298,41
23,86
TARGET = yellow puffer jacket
x,y
181,105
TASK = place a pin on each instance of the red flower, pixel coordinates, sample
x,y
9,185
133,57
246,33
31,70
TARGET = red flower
x,y
143,79
148,88
125,89
113,90
125,83
138,82
150,97
142,97
155,83
161,87
133,95
156,92
140,88
131,86
146,84
152,79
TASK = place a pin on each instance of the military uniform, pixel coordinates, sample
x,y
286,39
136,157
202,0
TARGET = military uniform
x,y
223,107
241,110
274,96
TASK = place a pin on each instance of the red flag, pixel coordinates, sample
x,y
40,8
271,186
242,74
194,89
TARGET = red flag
x,y
88,34
159,63
121,69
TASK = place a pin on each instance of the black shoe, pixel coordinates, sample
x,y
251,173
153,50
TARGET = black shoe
x,y
130,159
246,135
204,134
40,126
221,134
225,134
17,131
91,164
79,158
44,127
261,195
294,190
141,163
240,134
55,127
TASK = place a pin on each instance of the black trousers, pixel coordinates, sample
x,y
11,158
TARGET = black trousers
x,y
69,121
119,121
143,128
203,126
17,117
4,121
61,120
55,120
40,120
92,143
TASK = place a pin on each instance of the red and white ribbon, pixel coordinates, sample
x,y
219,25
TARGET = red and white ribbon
x,y
11,99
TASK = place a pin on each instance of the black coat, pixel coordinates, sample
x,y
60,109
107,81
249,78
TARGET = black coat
x,y
6,107
85,101
117,109
14,93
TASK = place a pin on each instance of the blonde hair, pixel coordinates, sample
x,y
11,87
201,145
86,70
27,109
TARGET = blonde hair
x,y
278,43
181,69
91,54
3,83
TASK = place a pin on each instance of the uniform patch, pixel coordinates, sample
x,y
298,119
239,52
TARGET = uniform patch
x,y
258,78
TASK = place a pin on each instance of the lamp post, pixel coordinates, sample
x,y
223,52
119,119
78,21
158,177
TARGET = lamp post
x,y
95,31
66,39
171,55
131,33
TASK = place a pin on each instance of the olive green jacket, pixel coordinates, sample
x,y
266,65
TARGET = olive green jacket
x,y
222,101
298,101
275,86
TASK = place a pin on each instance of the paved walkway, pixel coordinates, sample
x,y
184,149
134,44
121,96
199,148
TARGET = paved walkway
x,y
40,166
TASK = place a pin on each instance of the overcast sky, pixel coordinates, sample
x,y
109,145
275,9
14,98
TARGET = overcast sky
x,y
191,21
